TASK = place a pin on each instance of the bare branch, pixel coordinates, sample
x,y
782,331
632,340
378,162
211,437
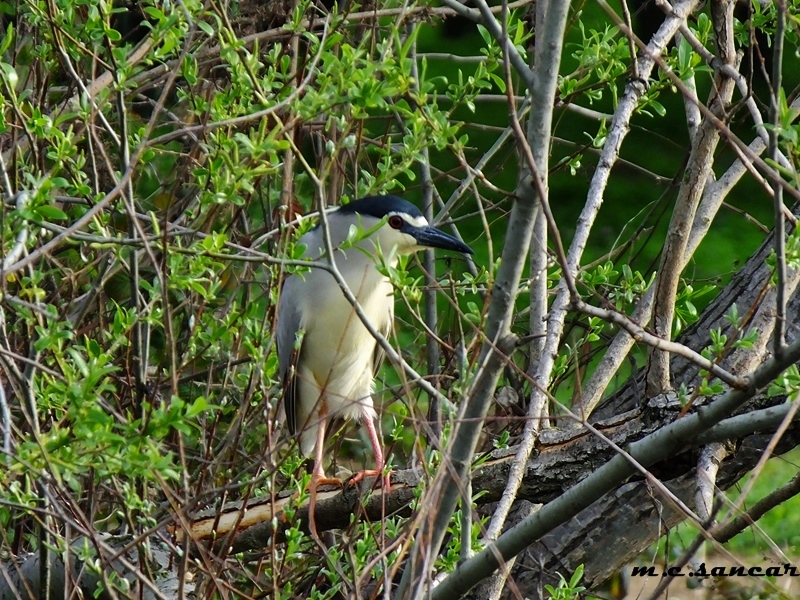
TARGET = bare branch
x,y
696,175
724,533
779,334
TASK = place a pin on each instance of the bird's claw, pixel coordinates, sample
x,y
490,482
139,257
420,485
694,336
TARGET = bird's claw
x,y
335,481
318,480
384,478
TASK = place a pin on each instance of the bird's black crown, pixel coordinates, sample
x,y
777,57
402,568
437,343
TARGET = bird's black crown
x,y
380,206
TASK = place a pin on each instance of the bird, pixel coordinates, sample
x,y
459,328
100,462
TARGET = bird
x,y
327,358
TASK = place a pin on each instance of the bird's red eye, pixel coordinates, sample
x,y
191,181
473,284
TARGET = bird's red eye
x,y
395,222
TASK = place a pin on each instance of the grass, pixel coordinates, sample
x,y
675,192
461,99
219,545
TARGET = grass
x,y
782,523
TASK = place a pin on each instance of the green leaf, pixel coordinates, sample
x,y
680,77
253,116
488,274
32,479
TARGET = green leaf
x,y
10,74
6,43
200,405
410,40
206,28
487,37
51,213
113,35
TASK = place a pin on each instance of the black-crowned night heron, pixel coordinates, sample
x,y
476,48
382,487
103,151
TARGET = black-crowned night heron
x,y
328,369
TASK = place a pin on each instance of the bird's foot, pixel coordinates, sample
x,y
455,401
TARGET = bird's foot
x,y
318,480
385,478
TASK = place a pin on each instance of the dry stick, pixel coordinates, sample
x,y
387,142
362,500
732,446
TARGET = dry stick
x,y
5,414
79,82
724,501
668,577
640,334
140,341
698,169
5,177
648,476
724,533
23,198
498,342
533,169
626,13
476,171
432,353
708,464
538,259
779,335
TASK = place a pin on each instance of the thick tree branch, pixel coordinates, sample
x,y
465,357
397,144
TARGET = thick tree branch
x,y
562,459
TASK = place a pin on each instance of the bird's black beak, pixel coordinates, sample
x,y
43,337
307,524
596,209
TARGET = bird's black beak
x,y
434,238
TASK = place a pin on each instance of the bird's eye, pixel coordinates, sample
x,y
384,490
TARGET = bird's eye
x,y
395,222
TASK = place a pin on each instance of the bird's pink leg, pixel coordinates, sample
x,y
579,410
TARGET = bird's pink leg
x,y
379,464
318,475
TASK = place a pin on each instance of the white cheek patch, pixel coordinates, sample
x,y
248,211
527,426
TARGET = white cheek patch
x,y
415,221
398,239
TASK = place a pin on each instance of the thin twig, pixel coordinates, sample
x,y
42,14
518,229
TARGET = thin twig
x,y
779,334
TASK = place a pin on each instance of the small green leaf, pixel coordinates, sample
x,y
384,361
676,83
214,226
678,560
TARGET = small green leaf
x,y
200,405
6,43
10,74
206,28
51,213
113,35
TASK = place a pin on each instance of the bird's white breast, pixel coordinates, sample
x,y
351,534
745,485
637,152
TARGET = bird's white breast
x,y
337,347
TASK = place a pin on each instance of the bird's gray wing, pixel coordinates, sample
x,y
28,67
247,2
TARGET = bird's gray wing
x,y
385,329
289,323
